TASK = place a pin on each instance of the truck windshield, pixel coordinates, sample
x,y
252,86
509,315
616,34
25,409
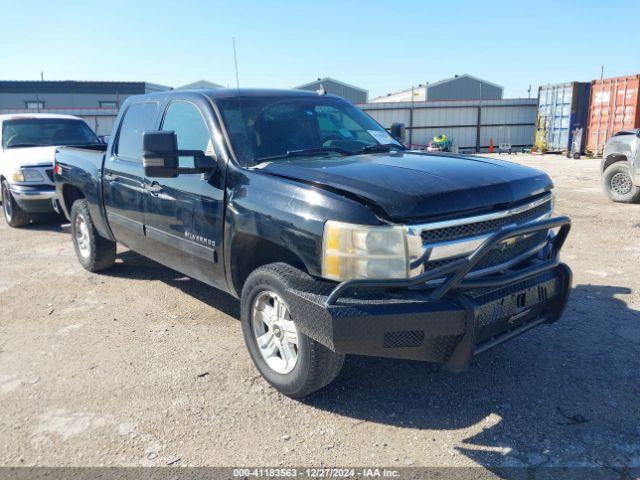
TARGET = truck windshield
x,y
37,132
265,128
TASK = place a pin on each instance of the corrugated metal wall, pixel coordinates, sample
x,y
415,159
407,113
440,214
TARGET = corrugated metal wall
x,y
614,106
470,124
561,109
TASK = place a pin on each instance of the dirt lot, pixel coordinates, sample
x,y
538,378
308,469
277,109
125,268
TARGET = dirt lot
x,y
141,366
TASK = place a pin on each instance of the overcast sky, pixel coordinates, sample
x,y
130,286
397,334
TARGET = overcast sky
x,y
383,46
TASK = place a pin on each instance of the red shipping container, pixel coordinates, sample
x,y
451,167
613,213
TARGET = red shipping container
x,y
614,106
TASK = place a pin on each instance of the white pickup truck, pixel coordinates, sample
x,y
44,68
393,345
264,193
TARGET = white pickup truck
x,y
28,144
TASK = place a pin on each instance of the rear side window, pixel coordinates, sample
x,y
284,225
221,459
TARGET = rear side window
x,y
137,119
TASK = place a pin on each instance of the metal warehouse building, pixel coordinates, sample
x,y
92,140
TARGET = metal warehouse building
x,y
200,84
96,102
459,87
471,124
350,92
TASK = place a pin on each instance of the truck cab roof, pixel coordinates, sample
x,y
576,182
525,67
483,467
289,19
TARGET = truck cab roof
x,y
219,93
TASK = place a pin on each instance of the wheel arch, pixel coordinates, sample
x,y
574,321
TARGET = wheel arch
x,y
70,193
613,158
249,252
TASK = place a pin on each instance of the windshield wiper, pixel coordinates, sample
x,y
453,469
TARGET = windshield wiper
x,y
385,147
18,145
306,152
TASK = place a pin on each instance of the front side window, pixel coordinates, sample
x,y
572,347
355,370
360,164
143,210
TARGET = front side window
x,y
137,119
267,126
37,132
191,130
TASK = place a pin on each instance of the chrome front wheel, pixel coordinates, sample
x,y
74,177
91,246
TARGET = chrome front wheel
x,y
6,202
275,333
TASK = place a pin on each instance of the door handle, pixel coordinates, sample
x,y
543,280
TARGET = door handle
x,y
154,188
109,177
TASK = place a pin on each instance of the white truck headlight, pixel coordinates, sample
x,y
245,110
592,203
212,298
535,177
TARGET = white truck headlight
x,y
359,251
27,175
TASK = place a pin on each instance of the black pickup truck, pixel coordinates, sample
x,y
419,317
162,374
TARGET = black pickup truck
x,y
336,238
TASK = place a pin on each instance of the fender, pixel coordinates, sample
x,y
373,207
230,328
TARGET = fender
x,y
285,212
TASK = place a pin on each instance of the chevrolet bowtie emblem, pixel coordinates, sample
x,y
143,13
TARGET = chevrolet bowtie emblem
x,y
509,242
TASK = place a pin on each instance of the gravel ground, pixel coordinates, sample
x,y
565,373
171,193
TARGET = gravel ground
x,y
141,366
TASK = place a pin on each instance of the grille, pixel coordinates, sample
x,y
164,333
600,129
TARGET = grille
x,y
479,228
498,255
406,338
49,173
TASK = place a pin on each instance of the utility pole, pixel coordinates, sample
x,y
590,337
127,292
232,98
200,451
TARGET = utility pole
x,y
411,116
601,72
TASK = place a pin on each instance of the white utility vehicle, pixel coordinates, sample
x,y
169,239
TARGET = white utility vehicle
x,y
28,144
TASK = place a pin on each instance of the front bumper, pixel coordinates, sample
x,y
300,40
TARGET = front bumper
x,y
448,321
35,198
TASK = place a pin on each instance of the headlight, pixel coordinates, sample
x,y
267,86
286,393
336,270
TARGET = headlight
x,y
27,175
359,251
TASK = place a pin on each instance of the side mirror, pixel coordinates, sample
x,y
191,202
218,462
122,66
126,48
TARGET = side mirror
x,y
398,131
104,138
160,154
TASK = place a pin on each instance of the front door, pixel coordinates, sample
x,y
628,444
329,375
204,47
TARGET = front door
x,y
184,215
123,177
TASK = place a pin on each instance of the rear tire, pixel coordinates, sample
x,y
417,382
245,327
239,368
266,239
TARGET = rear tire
x,y
13,214
295,369
94,252
618,184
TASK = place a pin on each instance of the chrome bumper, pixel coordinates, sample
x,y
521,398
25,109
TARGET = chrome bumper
x,y
39,192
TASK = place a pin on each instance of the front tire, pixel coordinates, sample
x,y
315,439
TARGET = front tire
x,y
290,361
13,214
94,252
618,184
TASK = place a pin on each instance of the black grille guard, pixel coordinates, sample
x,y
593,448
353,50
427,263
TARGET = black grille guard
x,y
454,273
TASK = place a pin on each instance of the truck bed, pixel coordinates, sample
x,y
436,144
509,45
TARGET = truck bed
x,y
79,169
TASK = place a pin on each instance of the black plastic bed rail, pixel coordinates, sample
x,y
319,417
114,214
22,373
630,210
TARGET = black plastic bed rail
x,y
454,273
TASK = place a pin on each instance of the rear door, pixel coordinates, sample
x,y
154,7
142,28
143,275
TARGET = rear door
x,y
123,177
184,215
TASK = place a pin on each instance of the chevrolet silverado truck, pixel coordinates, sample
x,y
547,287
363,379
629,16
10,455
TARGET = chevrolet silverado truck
x,y
335,238
621,167
28,144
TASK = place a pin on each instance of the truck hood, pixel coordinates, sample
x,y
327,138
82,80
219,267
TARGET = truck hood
x,y
413,185
27,156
